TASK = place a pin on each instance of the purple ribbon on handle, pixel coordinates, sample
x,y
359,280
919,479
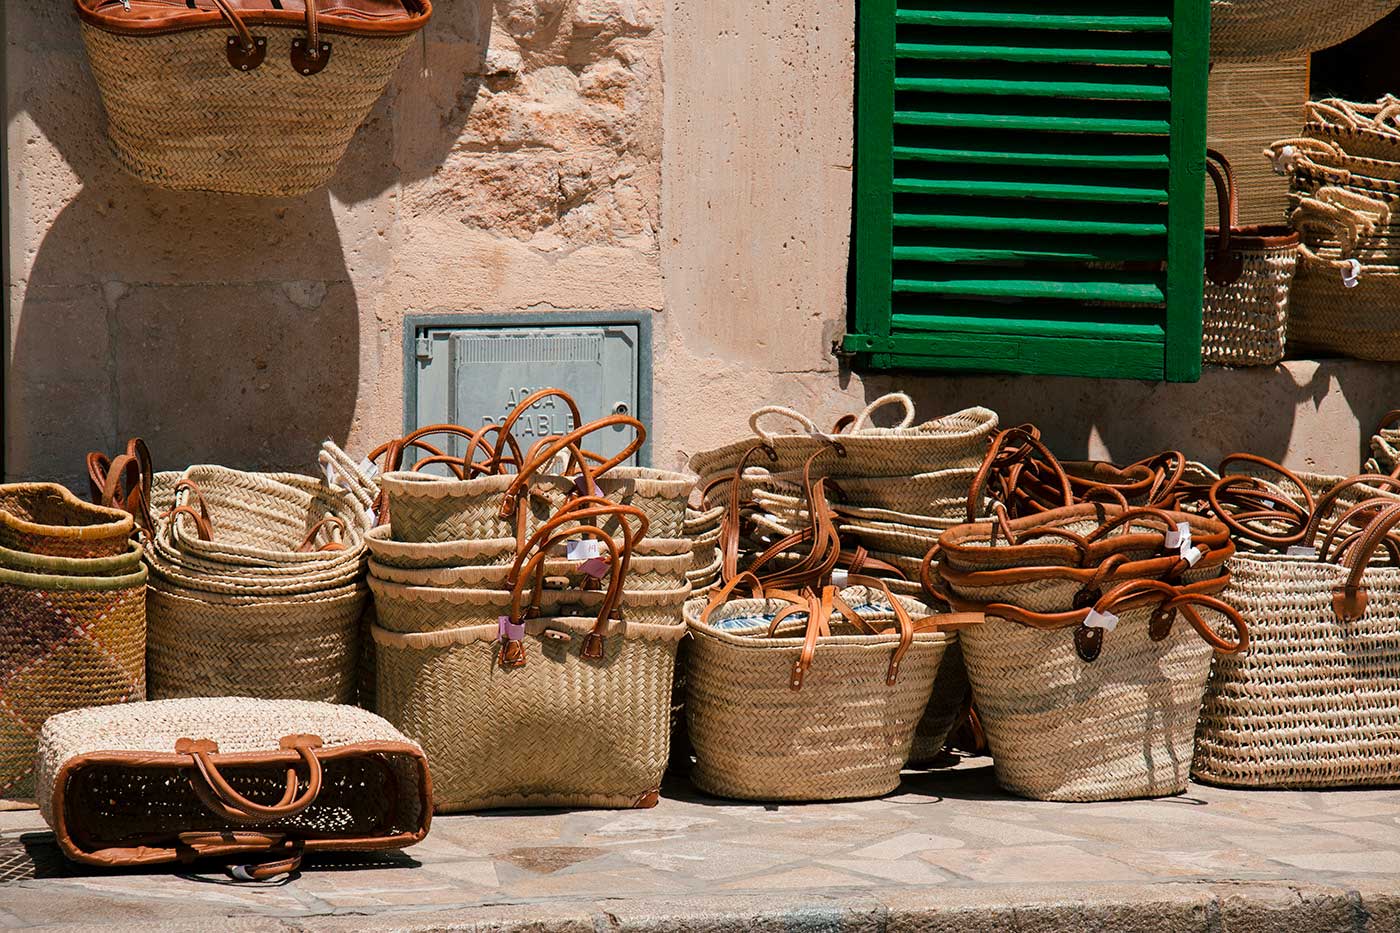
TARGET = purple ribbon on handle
x,y
508,630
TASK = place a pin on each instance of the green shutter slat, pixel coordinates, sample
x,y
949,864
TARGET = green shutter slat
x,y
1030,189
956,317
1032,122
1106,251
1101,159
1007,53
1012,20
1129,288
1061,89
949,221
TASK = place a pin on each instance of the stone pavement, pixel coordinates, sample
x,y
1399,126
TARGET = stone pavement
x,y
948,851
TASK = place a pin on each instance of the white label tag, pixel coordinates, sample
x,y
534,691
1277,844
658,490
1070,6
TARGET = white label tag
x,y
373,517
1191,555
840,578
1104,620
328,470
369,468
1351,273
587,549
1179,539
1299,551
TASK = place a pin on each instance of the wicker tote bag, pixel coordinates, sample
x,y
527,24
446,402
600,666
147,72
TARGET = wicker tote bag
x,y
1248,274
178,780
1097,703
534,709
1316,701
956,440
243,96
811,697
1256,30
45,518
66,642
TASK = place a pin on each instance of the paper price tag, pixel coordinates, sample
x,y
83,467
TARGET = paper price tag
x,y
1104,620
373,517
1192,555
594,567
508,630
585,549
581,484
840,578
328,470
1180,538
1298,551
369,468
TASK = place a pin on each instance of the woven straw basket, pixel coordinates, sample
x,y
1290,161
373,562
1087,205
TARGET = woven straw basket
x,y
119,566
1316,702
386,551
1254,30
1062,729
956,440
946,706
1248,273
186,109
45,518
66,642
559,731
845,733
121,788
297,648
1385,445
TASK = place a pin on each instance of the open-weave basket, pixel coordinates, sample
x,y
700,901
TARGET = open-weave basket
x,y
45,518
559,731
1248,274
956,440
845,733
1316,702
66,642
116,791
182,114
1255,30
298,647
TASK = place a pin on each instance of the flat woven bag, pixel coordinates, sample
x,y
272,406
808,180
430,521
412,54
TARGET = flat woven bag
x,y
1259,30
536,710
795,698
66,642
1316,702
45,518
254,97
950,442
1248,274
180,780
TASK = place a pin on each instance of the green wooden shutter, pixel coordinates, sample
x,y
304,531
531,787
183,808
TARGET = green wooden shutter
x,y
1029,179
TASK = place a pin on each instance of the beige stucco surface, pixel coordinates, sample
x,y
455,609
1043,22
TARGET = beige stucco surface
x,y
688,159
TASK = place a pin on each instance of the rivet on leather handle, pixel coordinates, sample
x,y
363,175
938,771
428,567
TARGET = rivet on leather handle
x,y
246,59
1349,606
592,646
1160,625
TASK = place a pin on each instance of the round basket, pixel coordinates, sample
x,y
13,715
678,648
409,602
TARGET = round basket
x,y
45,518
118,566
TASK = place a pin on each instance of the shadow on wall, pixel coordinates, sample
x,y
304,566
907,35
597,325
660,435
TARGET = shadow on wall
x,y
1227,411
221,328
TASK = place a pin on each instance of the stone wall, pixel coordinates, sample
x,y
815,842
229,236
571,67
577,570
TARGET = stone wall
x,y
691,159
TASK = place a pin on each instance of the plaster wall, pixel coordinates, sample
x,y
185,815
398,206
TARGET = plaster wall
x,y
691,159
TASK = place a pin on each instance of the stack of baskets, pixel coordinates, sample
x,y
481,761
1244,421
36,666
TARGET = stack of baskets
x,y
527,620
1087,674
73,600
256,579
1345,175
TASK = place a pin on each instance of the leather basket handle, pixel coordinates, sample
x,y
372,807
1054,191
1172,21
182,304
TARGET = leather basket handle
x,y
1350,599
505,431
1222,266
220,797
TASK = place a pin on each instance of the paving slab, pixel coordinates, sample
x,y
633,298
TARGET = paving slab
x,y
947,851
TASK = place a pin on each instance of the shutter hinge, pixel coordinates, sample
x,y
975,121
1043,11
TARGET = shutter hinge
x,y
423,348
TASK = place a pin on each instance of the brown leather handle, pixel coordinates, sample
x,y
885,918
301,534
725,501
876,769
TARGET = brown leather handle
x,y
721,595
519,411
1350,599
732,519
1324,505
1282,510
124,482
521,482
1029,441
513,655
580,510
308,543
221,798
1221,268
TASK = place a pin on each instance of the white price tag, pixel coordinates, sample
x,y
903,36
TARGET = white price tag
x,y
328,470
1192,555
840,578
373,517
1180,538
586,549
1104,620
1299,551
369,468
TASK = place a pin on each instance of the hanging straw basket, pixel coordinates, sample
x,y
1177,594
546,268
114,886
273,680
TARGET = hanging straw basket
x,y
1254,30
1248,274
66,642
45,518
254,100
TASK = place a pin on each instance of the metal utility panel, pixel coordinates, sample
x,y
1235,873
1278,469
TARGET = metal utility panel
x,y
474,376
